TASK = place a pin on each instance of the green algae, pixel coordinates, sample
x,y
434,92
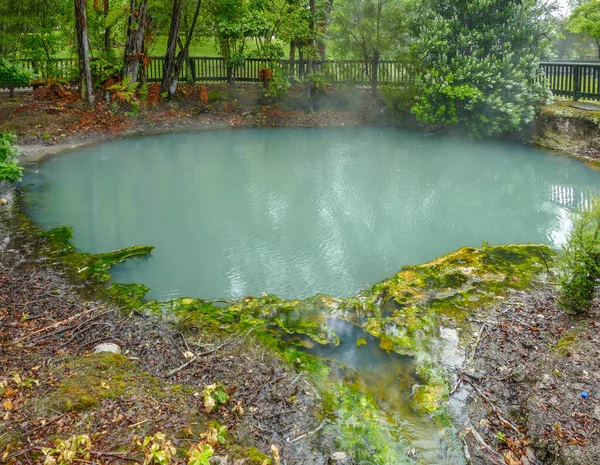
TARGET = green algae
x,y
417,301
88,267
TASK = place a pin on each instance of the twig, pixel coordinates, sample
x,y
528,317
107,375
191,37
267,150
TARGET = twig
x,y
116,456
495,409
208,352
456,386
55,325
52,420
310,433
479,336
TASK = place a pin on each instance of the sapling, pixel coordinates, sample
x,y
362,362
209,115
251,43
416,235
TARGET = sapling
x,y
579,264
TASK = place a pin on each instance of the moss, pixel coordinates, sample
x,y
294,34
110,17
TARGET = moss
x,y
251,455
90,379
130,295
563,346
428,398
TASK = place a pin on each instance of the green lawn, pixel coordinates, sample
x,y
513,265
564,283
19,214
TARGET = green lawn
x,y
198,48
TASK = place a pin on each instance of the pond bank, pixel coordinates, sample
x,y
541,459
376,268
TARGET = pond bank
x,y
567,127
54,387
51,332
47,127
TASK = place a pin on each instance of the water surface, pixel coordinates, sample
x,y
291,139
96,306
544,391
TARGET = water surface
x,y
300,211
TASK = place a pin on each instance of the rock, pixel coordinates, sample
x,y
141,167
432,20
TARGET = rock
x,y
3,201
340,458
107,347
218,460
518,374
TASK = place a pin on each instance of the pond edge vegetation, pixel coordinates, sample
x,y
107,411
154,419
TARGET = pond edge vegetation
x,y
423,298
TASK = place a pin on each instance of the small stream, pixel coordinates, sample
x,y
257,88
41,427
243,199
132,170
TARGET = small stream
x,y
295,212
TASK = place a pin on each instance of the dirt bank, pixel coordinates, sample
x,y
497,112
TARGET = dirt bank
x,y
47,127
564,127
528,368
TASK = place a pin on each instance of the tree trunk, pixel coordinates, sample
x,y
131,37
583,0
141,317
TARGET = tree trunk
x,y
374,72
323,27
292,71
311,43
106,29
85,72
183,53
170,58
134,46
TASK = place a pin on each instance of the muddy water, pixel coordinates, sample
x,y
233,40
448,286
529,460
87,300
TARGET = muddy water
x,y
300,211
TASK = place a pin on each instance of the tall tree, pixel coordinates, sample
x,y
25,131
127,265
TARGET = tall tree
x,y
85,73
134,44
170,58
368,29
585,19
173,65
479,63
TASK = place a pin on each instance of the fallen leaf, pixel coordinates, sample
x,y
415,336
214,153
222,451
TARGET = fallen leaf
x,y
7,404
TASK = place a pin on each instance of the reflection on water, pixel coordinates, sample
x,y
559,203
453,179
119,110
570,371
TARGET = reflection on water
x,y
300,211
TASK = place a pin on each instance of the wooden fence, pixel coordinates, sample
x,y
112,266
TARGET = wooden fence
x,y
566,79
214,69
574,80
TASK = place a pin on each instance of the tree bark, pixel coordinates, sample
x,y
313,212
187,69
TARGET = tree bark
x,y
134,46
374,72
170,58
106,29
174,65
311,43
85,72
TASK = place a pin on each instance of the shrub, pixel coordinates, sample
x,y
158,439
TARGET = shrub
x,y
399,100
579,265
9,165
13,75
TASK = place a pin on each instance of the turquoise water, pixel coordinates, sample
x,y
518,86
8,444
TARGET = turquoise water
x,y
300,211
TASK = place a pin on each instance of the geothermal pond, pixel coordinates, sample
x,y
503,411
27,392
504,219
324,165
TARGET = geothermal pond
x,y
295,212
299,211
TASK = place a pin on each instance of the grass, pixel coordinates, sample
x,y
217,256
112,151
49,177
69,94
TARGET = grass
x,y
198,48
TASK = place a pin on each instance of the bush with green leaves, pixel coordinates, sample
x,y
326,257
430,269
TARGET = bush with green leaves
x,y
399,100
478,63
579,265
14,74
9,165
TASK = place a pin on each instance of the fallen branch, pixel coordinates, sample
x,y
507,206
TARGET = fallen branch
x,y
310,433
479,337
472,440
56,325
208,352
495,409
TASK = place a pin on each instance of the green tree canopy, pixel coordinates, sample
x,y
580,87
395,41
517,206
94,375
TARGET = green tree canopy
x,y
585,19
479,63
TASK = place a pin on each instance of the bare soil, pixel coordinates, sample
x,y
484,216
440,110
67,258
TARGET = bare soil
x,y
527,375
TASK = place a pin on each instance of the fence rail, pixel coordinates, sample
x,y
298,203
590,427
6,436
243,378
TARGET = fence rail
x,y
214,69
566,79
574,80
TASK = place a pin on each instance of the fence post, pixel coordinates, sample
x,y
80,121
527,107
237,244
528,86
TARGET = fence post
x,y
192,69
576,88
